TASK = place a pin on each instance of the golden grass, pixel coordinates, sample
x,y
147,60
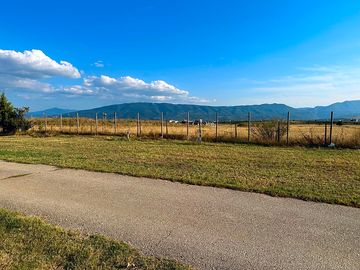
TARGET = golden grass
x,y
347,135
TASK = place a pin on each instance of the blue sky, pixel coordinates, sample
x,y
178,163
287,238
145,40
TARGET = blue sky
x,y
302,53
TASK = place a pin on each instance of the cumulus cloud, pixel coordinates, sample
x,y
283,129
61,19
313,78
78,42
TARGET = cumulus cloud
x,y
30,72
128,84
132,89
34,64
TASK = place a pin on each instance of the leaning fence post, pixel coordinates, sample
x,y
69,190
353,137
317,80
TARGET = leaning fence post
x,y
162,124
236,134
287,128
96,124
331,126
249,126
187,125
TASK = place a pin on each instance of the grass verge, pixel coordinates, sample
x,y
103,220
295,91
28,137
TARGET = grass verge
x,y
325,175
30,243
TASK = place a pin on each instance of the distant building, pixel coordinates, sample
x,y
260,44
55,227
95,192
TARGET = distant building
x,y
355,119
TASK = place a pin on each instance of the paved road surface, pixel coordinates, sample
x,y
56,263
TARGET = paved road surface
x,y
207,227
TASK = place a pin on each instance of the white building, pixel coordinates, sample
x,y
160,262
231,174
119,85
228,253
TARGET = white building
x,y
355,119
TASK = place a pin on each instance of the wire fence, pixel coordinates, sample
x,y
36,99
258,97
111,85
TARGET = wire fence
x,y
280,132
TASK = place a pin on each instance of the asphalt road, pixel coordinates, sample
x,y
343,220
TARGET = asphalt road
x,y
206,227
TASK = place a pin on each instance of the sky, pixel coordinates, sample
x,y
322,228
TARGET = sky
x,y
86,54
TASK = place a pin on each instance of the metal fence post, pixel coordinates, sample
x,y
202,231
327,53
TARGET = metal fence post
x,y
96,124
331,127
287,128
187,125
216,126
115,124
166,128
162,124
138,125
249,126
200,132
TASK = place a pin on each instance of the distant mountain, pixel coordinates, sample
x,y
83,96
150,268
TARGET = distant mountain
x,y
345,109
151,111
49,112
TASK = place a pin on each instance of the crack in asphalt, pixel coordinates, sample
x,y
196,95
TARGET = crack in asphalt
x,y
16,176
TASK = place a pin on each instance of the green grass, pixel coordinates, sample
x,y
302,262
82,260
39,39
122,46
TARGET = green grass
x,y
30,243
325,175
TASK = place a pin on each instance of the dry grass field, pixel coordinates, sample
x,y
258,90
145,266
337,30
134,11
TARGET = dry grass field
x,y
345,135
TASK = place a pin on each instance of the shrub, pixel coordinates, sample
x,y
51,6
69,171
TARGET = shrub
x,y
311,138
268,131
12,119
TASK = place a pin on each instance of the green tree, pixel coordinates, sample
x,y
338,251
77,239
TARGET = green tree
x,y
12,119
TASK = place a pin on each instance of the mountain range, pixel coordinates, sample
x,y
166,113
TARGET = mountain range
x,y
49,112
152,111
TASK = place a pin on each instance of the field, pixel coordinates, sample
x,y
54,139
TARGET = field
x,y
313,134
30,243
317,174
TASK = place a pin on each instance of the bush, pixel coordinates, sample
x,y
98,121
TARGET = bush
x,y
311,138
268,131
12,119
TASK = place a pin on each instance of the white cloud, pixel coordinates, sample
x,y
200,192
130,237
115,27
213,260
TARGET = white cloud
x,y
317,85
34,64
127,83
13,82
99,64
160,98
132,89
29,72
76,90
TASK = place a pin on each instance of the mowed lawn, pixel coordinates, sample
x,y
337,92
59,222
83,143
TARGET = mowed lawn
x,y
326,175
30,243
